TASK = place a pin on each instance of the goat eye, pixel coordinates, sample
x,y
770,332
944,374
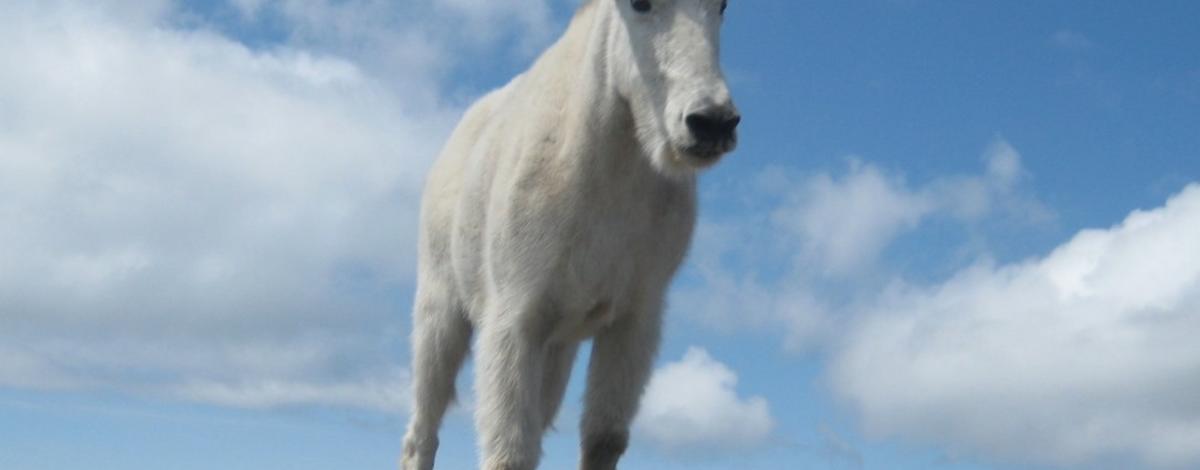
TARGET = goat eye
x,y
641,6
723,6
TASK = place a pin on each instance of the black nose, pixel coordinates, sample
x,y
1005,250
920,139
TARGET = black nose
x,y
713,125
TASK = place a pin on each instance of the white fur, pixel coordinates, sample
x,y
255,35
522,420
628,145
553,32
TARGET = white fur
x,y
559,211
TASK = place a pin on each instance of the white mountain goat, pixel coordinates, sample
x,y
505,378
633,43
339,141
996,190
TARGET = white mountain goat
x,y
558,211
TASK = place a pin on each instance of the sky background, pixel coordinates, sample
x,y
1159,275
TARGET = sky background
x,y
955,235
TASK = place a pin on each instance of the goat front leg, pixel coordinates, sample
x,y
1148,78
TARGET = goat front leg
x,y
622,357
508,383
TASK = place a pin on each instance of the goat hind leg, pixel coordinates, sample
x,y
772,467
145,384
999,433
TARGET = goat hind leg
x,y
441,338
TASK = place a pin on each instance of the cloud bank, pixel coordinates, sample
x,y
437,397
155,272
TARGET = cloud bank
x,y
1086,353
193,215
1076,357
819,244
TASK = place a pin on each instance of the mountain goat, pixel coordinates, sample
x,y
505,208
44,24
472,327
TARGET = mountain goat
x,y
559,211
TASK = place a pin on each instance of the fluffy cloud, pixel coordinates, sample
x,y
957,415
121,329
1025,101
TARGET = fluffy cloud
x,y
845,223
818,249
533,19
382,36
1081,355
186,215
693,404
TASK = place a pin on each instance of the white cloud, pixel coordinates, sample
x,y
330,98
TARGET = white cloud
x,y
1084,354
819,250
532,18
1000,193
386,392
381,36
193,215
404,41
845,223
693,405
188,216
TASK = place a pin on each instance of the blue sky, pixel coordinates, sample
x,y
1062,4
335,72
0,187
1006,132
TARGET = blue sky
x,y
955,235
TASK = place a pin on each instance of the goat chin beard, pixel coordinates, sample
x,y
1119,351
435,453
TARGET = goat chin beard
x,y
674,164
656,148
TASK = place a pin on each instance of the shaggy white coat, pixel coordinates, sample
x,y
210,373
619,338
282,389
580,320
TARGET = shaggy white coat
x,y
559,211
